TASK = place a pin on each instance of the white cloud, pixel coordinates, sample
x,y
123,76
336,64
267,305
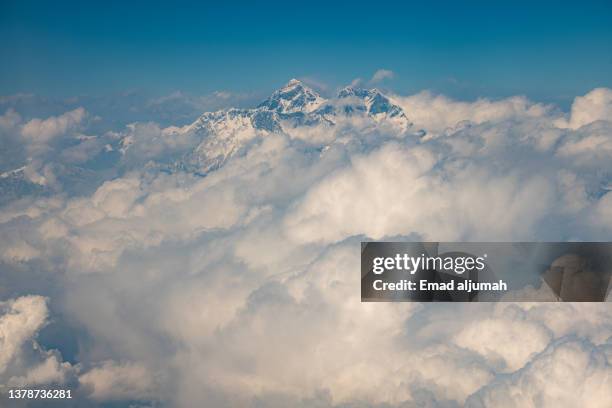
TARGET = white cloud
x,y
50,371
356,83
112,381
148,141
381,75
314,83
31,143
437,113
9,120
22,361
507,341
19,251
43,130
395,191
569,373
595,105
21,320
603,211
588,146
243,285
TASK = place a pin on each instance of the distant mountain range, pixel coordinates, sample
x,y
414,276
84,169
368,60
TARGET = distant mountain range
x,y
294,107
295,110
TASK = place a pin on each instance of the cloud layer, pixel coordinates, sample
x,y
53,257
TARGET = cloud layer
x,y
241,288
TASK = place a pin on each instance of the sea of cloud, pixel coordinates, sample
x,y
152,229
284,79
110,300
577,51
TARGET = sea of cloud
x,y
241,288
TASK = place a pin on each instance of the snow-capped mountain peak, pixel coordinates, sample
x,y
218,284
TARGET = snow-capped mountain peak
x,y
295,109
295,96
371,101
293,82
349,92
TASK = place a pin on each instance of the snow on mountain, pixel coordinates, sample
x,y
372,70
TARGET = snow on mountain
x,y
14,184
293,109
293,97
29,181
223,133
370,102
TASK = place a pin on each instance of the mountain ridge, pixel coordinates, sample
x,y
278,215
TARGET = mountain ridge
x,y
293,106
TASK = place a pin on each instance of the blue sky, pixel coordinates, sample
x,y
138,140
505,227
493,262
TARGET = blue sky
x,y
548,51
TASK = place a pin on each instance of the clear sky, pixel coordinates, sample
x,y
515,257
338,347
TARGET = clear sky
x,y
548,50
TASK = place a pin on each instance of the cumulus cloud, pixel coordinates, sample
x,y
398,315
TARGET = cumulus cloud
x,y
113,381
393,191
437,113
595,105
20,321
588,146
22,361
243,287
50,371
148,141
51,155
32,144
43,130
381,75
568,373
9,120
496,339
